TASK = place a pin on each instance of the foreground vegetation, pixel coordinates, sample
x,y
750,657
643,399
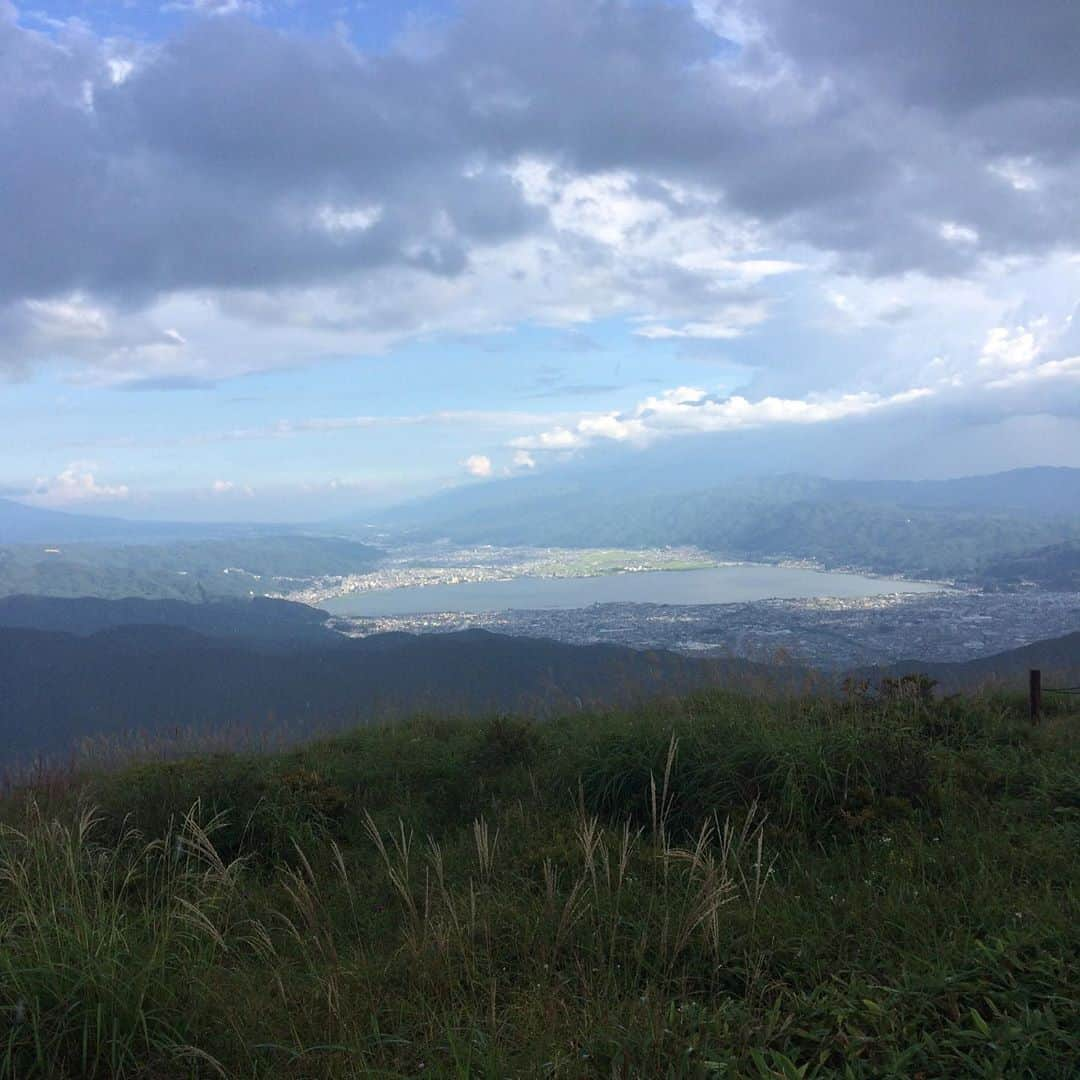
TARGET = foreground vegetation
x,y
727,887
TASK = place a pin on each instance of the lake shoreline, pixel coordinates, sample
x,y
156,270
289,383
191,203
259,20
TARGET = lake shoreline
x,y
719,582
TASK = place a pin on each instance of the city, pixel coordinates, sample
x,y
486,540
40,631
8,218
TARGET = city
x,y
952,625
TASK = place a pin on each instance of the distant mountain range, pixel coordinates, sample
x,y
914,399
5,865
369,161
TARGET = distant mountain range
x,y
71,669
1047,491
949,529
22,524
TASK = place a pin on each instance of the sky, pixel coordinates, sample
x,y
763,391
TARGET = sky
x,y
283,261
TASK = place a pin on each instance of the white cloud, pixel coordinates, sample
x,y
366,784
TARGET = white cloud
x,y
120,69
1067,368
688,410
958,234
346,220
477,465
749,270
1009,349
706,331
75,484
842,303
73,318
559,438
524,460
228,487
1017,172
604,207
215,7
1008,358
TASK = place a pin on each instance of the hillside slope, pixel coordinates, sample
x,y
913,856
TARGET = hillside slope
x,y
1057,658
254,620
56,688
1055,567
722,886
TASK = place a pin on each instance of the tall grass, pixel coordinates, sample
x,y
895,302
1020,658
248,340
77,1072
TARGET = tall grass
x,y
98,940
719,887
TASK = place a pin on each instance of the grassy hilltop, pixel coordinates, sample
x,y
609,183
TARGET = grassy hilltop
x,y
726,887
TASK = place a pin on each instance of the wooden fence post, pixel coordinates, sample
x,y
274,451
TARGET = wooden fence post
x,y
1035,694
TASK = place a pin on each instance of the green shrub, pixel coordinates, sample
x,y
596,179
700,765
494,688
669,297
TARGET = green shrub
x,y
504,743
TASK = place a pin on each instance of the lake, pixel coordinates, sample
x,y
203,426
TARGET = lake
x,y
715,585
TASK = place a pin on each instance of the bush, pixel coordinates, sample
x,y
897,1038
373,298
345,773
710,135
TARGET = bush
x,y
505,743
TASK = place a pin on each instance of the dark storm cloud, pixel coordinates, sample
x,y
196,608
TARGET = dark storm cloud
x,y
954,57
954,89
866,130
210,165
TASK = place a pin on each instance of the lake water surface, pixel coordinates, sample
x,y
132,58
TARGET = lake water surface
x,y
715,585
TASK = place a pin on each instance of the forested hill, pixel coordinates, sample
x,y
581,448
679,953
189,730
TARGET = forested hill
x,y
253,621
57,687
1054,567
1057,658
940,529
198,569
